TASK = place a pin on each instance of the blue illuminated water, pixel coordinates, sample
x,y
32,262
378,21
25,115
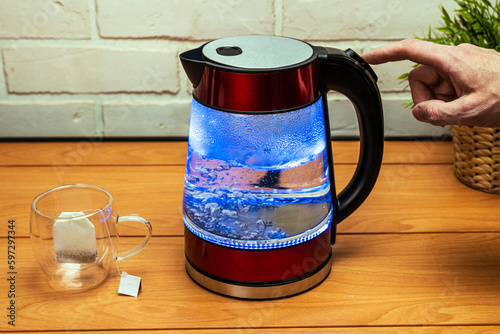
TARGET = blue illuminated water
x,y
257,181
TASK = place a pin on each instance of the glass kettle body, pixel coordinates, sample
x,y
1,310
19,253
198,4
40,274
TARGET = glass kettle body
x,y
260,206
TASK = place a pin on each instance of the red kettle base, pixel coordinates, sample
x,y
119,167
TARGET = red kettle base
x,y
261,290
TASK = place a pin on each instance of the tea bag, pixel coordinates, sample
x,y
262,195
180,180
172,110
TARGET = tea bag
x,y
74,240
129,285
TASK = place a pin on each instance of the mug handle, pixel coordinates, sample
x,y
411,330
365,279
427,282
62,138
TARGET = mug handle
x,y
347,73
138,248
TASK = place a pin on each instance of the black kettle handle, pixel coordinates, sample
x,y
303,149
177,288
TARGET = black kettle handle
x,y
347,73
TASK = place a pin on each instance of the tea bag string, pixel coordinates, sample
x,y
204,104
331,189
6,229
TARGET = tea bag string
x,y
113,249
129,285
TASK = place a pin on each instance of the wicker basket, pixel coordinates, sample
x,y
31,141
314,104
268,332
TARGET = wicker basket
x,y
477,157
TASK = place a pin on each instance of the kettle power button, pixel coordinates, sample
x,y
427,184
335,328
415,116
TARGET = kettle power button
x,y
351,53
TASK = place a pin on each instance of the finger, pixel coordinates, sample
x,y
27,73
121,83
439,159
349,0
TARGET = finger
x,y
430,111
440,113
468,110
427,84
444,90
421,52
421,80
445,98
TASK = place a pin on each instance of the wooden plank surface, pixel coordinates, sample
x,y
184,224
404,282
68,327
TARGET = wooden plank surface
x,y
321,330
377,280
422,253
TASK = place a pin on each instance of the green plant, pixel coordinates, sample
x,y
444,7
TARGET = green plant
x,y
476,22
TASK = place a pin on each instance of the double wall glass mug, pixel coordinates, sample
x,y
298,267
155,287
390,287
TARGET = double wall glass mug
x,y
74,235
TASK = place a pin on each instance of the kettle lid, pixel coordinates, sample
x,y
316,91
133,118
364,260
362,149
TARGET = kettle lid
x,y
257,52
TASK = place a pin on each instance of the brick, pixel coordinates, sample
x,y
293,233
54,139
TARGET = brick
x,y
148,119
398,120
47,119
62,19
93,70
189,19
365,20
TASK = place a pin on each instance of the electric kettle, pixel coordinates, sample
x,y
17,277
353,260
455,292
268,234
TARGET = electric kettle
x,y
260,208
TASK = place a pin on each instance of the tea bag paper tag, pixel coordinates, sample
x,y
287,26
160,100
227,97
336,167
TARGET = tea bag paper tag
x,y
74,240
129,285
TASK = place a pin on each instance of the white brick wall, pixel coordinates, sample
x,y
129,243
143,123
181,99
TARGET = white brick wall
x,y
109,68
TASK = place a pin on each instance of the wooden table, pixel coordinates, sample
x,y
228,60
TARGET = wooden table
x,y
422,254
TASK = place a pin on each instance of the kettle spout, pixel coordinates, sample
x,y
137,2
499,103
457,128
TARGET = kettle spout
x,y
193,64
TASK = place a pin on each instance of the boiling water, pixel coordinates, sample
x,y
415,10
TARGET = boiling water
x,y
257,181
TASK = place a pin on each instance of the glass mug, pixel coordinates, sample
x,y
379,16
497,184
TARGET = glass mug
x,y
74,235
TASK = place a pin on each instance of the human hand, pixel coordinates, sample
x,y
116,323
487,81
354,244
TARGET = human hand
x,y
453,85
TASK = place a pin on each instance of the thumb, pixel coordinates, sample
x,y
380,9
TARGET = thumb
x,y
437,112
